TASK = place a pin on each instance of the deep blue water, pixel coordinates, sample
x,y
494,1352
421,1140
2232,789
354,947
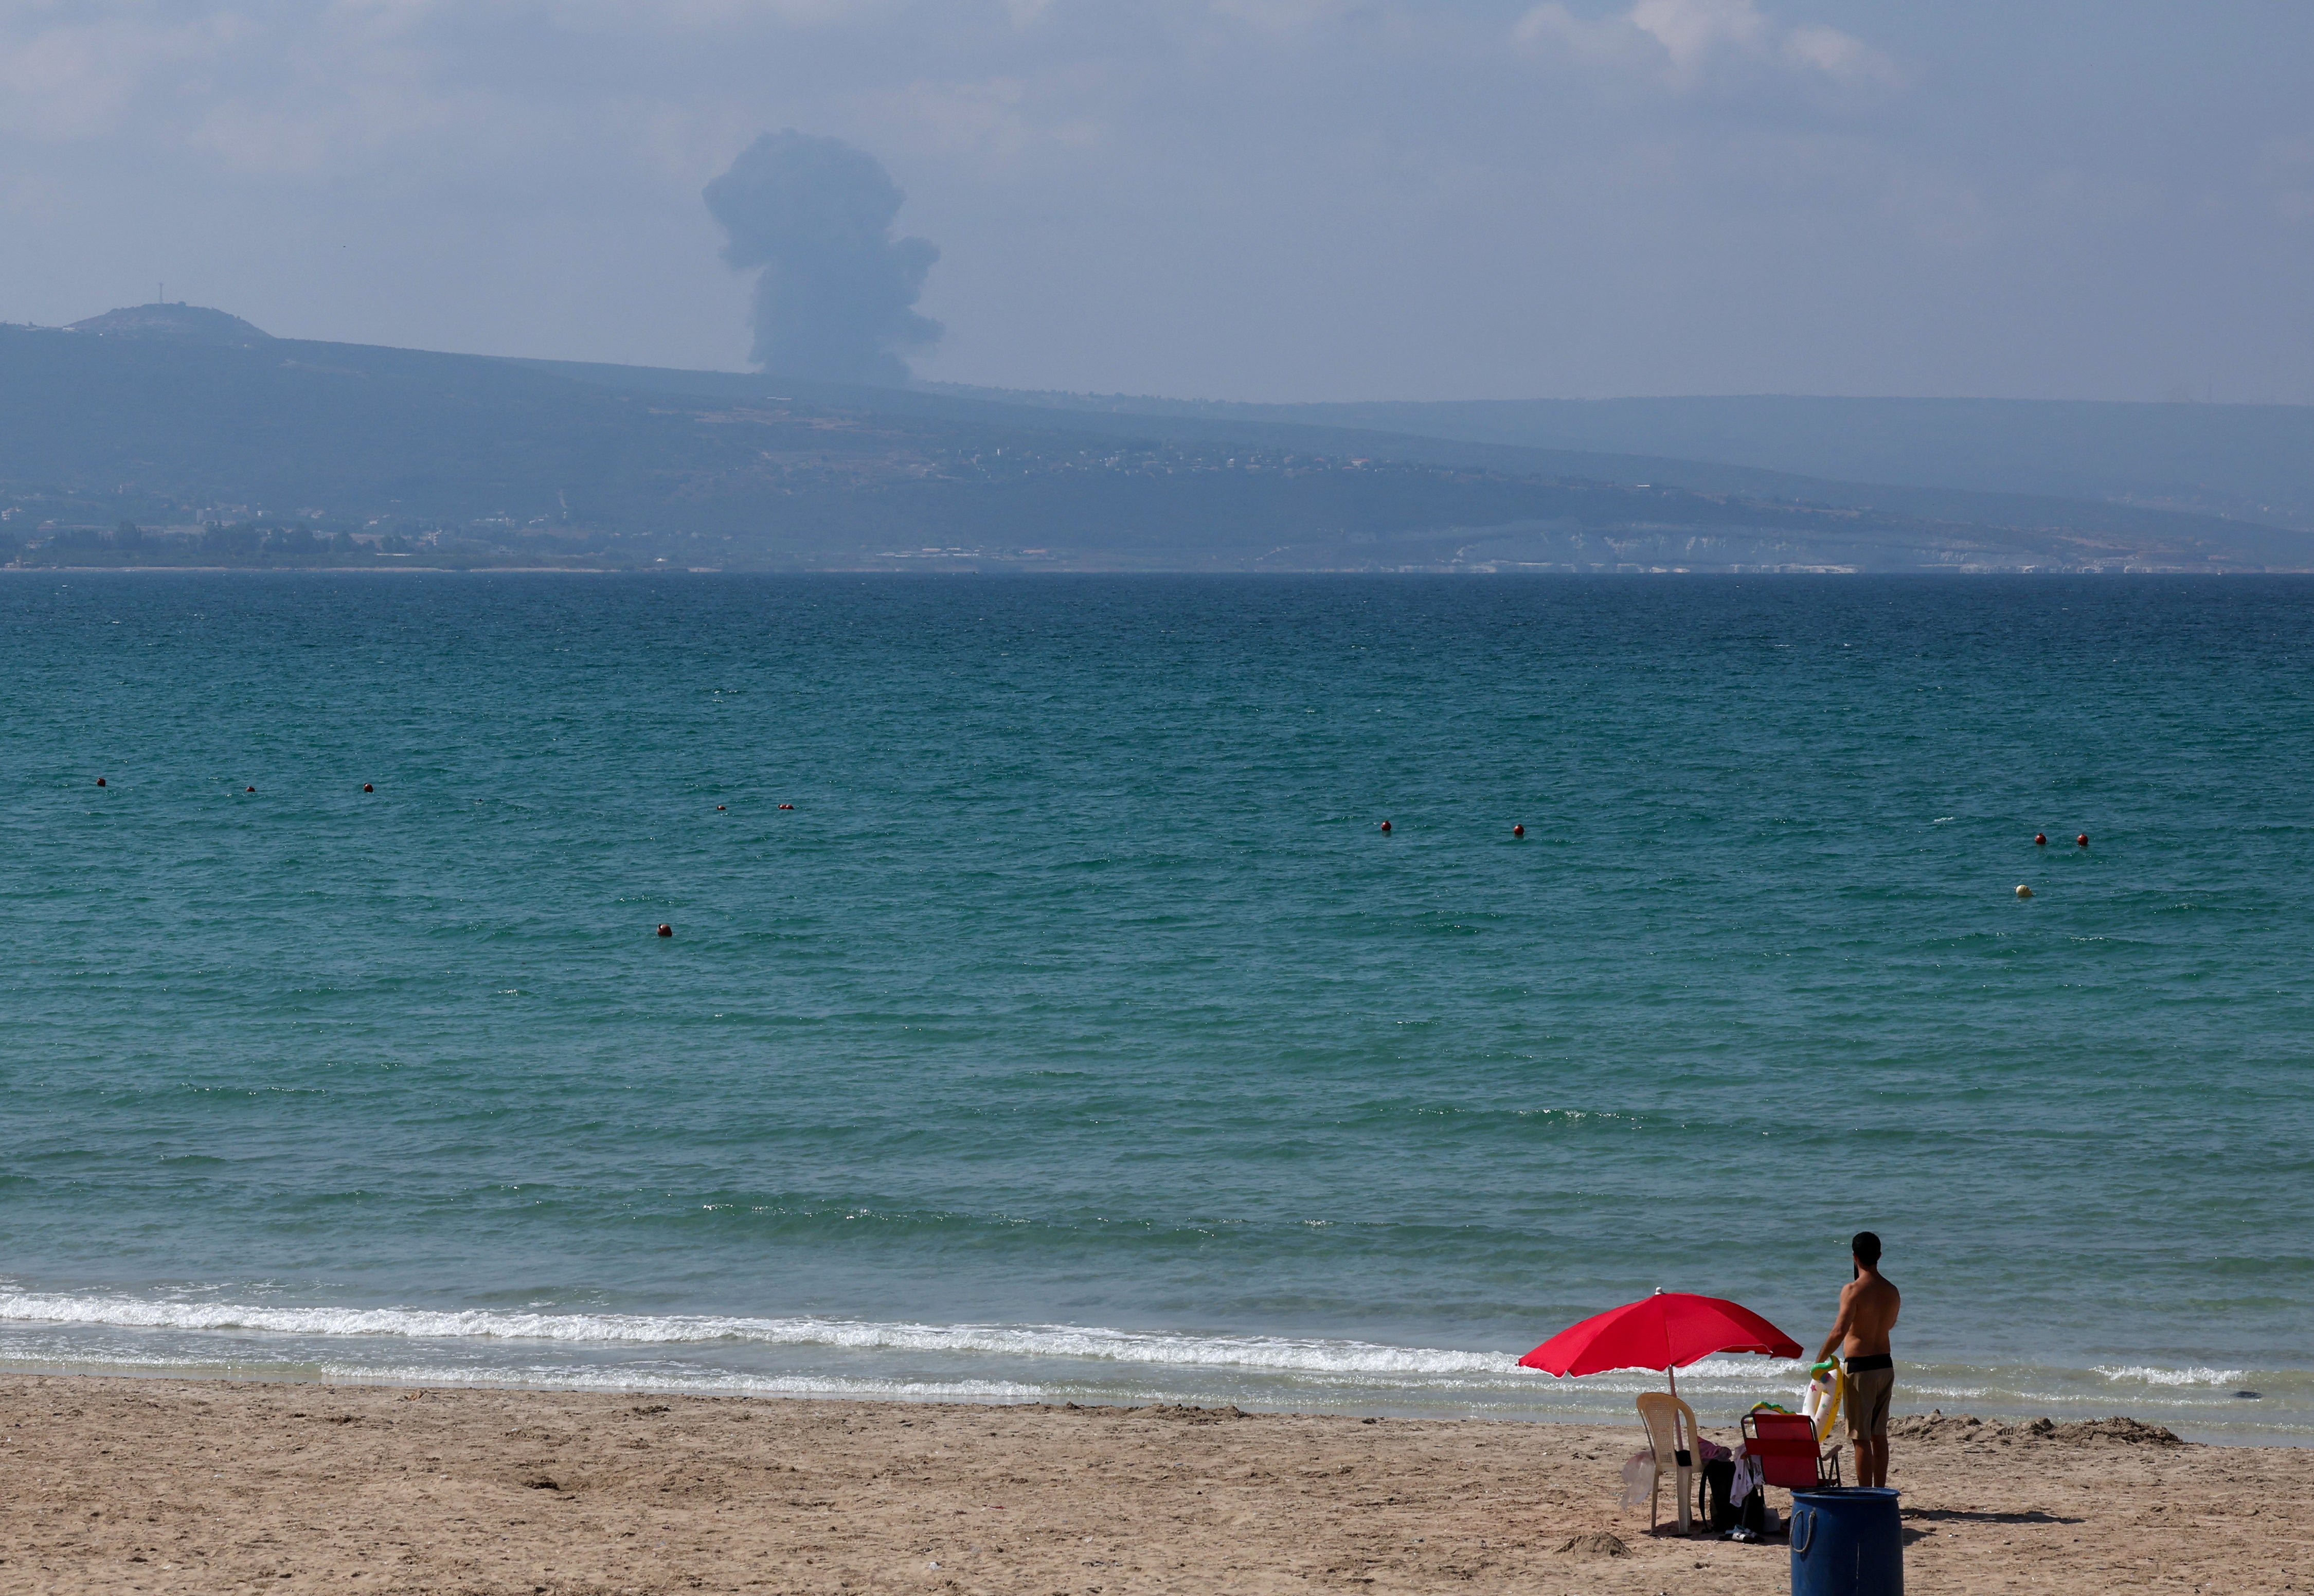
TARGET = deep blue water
x,y
1079,1031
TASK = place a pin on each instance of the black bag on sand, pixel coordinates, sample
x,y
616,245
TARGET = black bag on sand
x,y
1711,1503
1755,1514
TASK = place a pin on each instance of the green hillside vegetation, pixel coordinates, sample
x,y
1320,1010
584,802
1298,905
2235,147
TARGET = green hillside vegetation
x,y
132,446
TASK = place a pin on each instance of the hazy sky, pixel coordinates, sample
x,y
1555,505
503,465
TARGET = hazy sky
x,y
1248,198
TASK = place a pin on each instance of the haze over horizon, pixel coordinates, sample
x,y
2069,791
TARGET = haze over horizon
x,y
1258,199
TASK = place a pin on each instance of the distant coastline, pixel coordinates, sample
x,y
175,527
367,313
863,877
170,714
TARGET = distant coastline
x,y
333,567
134,448
1003,566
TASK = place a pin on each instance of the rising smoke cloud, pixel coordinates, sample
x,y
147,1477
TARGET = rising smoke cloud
x,y
836,295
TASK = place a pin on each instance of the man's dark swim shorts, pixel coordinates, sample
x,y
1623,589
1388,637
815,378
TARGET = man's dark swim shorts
x,y
1871,1386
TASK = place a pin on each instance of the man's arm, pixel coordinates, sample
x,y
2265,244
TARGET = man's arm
x,y
1840,1325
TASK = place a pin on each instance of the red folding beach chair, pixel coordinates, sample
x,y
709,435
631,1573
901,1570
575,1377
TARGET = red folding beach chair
x,y
1785,1444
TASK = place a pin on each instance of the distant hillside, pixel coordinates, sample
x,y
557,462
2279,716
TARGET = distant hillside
x,y
268,451
185,323
2249,462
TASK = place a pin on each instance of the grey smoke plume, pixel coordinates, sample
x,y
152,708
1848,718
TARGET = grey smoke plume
x,y
836,297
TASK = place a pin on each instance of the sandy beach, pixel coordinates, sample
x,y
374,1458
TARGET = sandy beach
x,y
122,1485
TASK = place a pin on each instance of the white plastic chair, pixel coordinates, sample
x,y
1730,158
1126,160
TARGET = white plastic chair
x,y
1664,1415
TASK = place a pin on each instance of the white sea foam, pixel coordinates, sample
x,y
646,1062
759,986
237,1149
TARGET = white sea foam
x,y
1745,1369
1069,1355
2146,1374
719,1382
559,1377
1277,1354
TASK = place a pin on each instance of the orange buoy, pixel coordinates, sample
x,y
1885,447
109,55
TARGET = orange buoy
x,y
1518,830
2040,839
248,789
2082,840
718,809
367,787
787,806
100,781
1385,826
665,929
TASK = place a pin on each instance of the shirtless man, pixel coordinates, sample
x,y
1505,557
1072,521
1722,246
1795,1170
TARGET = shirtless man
x,y
1868,1306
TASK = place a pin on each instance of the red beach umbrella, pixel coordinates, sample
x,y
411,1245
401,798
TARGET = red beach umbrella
x,y
1666,1331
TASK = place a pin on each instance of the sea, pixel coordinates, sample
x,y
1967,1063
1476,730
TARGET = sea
x,y
1049,1017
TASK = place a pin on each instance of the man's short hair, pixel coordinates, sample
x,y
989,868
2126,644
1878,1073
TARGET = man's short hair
x,y
1866,1248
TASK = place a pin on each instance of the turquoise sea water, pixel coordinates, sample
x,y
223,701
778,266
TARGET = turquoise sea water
x,y
1078,1034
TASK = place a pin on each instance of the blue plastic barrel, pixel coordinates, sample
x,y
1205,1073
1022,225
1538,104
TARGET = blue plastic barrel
x,y
1847,1542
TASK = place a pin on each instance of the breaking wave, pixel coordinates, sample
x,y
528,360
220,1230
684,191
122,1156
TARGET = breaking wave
x,y
2147,1374
1274,1354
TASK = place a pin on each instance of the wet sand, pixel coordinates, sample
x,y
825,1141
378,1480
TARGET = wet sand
x,y
161,1486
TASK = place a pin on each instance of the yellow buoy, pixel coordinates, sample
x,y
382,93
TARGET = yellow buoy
x,y
2023,892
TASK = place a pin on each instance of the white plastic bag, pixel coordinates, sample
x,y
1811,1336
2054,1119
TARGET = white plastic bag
x,y
1638,1478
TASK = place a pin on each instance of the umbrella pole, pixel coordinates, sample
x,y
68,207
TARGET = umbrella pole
x,y
1684,1458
